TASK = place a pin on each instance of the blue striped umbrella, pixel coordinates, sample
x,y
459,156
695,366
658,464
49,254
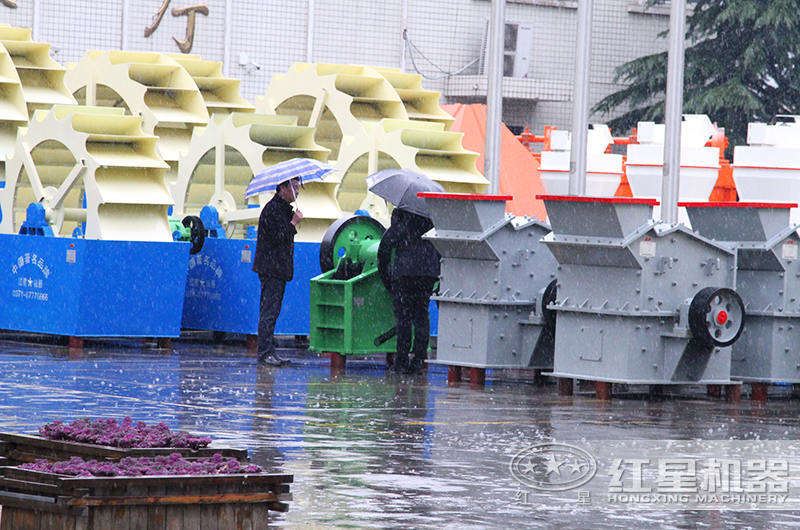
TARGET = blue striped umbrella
x,y
305,169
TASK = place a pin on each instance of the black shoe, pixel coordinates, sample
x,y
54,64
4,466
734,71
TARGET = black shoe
x,y
284,361
271,360
416,367
399,366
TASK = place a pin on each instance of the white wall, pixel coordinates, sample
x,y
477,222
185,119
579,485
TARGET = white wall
x,y
273,34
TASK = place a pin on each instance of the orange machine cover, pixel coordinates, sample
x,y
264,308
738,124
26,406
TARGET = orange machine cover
x,y
519,170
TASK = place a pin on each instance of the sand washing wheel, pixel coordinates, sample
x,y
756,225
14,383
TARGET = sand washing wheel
x,y
30,80
359,113
152,85
92,169
224,156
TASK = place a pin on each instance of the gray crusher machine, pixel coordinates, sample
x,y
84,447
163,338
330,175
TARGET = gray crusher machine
x,y
640,302
496,282
767,275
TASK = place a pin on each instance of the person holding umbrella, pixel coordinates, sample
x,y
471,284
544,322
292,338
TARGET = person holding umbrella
x,y
277,226
408,264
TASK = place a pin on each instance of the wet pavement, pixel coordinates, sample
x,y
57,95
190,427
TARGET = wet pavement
x,y
371,450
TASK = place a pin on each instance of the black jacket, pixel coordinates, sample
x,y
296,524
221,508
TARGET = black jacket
x,y
413,256
275,244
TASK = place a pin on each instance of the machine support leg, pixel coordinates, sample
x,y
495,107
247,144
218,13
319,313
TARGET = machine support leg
x,y
75,343
758,391
252,344
218,337
714,390
389,359
338,362
602,390
656,390
164,343
477,376
453,374
733,393
538,378
565,387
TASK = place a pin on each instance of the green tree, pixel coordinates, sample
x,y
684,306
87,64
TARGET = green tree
x,y
740,66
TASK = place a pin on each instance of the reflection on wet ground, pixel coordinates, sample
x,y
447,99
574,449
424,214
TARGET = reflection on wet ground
x,y
369,449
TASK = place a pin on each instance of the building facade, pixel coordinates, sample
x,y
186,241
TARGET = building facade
x,y
442,40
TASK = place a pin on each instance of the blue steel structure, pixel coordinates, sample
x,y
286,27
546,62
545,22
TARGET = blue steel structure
x,y
222,291
91,288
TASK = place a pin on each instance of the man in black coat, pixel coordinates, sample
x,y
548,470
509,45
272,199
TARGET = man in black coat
x,y
410,277
274,263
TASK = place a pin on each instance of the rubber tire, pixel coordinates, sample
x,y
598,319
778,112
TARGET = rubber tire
x,y
197,235
326,247
698,310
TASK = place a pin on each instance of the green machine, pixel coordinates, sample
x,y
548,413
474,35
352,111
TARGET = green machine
x,y
351,311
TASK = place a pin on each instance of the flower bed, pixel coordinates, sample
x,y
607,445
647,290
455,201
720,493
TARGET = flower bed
x,y
173,464
48,501
124,434
106,438
145,477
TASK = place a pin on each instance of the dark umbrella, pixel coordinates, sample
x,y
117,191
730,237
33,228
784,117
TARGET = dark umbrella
x,y
401,188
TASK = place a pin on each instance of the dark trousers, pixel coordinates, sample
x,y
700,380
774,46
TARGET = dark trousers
x,y
412,295
271,299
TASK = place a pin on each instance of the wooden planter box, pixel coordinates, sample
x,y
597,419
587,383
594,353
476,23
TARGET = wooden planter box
x,y
23,448
33,500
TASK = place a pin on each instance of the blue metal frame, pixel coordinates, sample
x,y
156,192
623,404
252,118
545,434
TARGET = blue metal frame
x,y
223,292
91,288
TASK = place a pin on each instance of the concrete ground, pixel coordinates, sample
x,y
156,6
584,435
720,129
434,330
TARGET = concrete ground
x,y
371,450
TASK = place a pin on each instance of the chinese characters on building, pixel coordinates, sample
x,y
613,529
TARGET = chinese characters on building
x,y
190,12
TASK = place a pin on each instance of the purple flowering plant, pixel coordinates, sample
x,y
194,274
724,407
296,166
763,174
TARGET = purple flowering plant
x,y
173,464
123,434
